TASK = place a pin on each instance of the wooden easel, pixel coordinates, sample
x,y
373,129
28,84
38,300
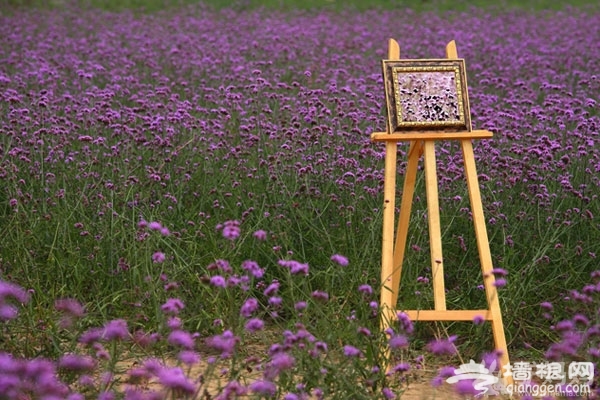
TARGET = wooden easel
x,y
423,143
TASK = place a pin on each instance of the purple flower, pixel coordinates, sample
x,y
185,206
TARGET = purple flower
x,y
442,346
254,324
249,307
275,301
225,343
295,267
231,230
445,372
233,389
137,374
388,393
264,388
565,325
155,226
115,330
279,362
299,306
260,235
398,341
405,323
181,338
271,289
218,281
144,339
478,319
253,268
135,393
500,282
8,289
466,387
8,311
546,305
340,260
282,361
90,336
402,367
363,331
491,360
321,347
75,362
318,392
101,352
365,289
158,257
69,306
189,357
175,379
172,306
152,366
222,266
106,396
581,319
351,351
320,295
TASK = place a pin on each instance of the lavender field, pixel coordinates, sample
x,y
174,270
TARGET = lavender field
x,y
191,203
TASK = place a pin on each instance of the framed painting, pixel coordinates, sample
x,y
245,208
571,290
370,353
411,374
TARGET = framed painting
x,y
426,95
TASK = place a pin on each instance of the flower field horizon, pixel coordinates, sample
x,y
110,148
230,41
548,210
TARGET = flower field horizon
x,y
198,184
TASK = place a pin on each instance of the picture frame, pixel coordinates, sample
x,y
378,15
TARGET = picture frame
x,y
426,95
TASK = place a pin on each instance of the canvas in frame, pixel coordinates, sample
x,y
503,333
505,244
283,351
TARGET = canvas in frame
x,y
425,95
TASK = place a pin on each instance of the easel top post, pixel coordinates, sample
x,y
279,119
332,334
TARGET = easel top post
x,y
393,50
451,52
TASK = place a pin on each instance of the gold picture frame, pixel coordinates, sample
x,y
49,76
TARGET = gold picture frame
x,y
425,95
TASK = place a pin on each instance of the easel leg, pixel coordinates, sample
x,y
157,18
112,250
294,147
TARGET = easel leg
x,y
435,232
485,256
388,291
410,178
387,250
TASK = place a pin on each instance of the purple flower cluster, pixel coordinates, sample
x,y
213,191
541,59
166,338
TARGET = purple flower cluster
x,y
578,335
10,292
112,100
230,229
20,378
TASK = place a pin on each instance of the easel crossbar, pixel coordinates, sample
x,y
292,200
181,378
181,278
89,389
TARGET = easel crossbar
x,y
447,315
428,135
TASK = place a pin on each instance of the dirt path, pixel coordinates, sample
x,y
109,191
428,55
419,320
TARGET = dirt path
x,y
418,388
